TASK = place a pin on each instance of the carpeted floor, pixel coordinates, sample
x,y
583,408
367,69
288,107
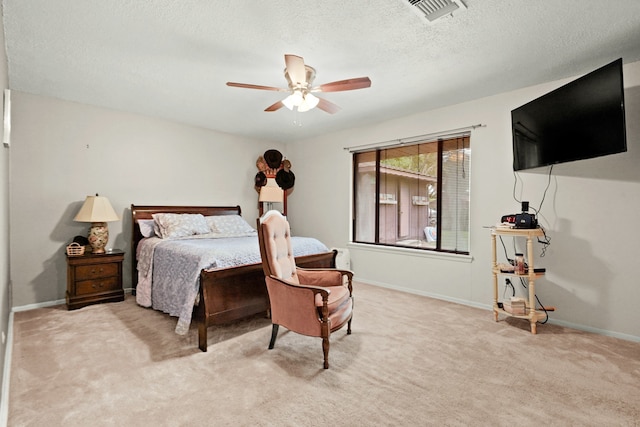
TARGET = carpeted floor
x,y
411,361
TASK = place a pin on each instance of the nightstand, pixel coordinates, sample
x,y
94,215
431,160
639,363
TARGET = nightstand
x,y
94,279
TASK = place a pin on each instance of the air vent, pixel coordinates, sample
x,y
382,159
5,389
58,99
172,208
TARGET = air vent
x,y
436,9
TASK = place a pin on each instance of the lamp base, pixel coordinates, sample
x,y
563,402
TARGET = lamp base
x,y
98,237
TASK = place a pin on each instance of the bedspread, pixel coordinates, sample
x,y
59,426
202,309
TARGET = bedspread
x,y
169,270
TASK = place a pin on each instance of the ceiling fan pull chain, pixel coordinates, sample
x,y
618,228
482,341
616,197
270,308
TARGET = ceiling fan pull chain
x,y
297,120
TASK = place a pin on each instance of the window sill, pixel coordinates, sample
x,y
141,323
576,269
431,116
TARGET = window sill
x,y
422,253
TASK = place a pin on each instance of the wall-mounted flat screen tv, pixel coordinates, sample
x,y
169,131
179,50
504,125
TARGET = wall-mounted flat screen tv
x,y
580,120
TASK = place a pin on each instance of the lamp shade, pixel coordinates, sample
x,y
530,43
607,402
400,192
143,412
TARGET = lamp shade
x,y
271,192
96,209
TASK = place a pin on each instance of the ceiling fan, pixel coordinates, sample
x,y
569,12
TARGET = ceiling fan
x,y
300,81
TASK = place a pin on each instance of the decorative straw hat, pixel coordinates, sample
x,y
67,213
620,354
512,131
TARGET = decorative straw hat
x,y
261,164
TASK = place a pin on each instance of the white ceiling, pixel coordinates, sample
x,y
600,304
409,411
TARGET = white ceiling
x,y
171,59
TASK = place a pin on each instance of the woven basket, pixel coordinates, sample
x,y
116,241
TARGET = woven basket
x,y
75,249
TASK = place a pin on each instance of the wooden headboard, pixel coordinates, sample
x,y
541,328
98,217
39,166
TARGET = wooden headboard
x,y
146,212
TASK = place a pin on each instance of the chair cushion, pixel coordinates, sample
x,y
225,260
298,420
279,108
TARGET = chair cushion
x,y
337,296
341,314
340,306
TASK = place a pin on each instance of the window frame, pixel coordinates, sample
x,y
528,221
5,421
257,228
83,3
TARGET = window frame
x,y
441,141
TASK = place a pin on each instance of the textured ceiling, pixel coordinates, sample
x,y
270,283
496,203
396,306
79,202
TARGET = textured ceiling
x,y
171,59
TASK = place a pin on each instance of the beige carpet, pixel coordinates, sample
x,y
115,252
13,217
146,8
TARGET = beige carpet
x,y
411,361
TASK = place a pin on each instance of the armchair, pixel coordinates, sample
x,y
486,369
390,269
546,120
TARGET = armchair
x,y
312,302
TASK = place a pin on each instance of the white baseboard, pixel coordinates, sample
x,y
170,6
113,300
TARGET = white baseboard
x,y
50,303
38,305
6,374
579,327
425,294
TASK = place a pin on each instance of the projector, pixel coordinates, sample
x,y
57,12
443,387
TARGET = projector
x,y
526,220
521,220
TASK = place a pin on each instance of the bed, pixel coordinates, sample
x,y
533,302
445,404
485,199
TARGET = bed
x,y
224,294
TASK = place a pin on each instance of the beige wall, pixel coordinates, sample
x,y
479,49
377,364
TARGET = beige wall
x,y
63,151
589,212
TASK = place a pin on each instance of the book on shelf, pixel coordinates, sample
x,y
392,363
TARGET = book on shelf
x,y
515,305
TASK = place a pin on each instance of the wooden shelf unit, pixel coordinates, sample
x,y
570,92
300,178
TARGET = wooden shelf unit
x,y
531,314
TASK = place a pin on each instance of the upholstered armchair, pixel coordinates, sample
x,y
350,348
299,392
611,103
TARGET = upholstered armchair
x,y
312,302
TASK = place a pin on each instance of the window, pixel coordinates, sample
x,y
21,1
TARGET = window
x,y
414,195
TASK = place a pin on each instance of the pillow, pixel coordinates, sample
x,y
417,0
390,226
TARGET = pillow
x,y
229,225
146,227
170,225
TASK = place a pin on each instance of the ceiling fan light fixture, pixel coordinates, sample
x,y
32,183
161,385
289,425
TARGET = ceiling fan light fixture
x,y
288,102
293,100
310,102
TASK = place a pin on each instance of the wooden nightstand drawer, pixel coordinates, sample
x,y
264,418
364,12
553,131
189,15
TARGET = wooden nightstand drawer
x,y
92,286
96,271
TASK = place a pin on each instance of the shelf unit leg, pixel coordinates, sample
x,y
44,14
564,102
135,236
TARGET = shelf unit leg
x,y
494,267
532,286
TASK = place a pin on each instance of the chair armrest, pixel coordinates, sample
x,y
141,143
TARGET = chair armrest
x,y
319,277
313,289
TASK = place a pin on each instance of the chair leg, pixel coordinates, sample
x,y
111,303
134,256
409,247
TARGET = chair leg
x,y
274,335
325,350
350,319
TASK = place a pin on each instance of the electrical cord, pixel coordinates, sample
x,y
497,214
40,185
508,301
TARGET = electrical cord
x,y
515,184
508,284
545,190
509,260
546,240
544,194
524,285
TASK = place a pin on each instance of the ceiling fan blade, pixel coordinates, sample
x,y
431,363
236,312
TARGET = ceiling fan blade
x,y
274,107
349,84
250,86
327,106
295,69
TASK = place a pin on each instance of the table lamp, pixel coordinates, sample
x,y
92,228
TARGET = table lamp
x,y
271,193
98,211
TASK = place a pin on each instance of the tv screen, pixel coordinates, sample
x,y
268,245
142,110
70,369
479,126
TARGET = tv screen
x,y
580,120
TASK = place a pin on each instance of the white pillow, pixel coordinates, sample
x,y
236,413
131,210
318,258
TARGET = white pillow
x,y
229,225
146,227
170,225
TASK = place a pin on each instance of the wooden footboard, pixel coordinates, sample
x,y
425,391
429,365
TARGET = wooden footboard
x,y
231,294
